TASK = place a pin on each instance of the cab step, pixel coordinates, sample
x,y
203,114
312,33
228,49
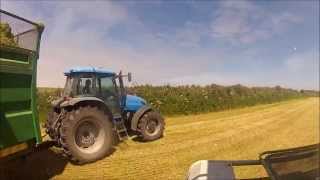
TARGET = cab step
x,y
120,128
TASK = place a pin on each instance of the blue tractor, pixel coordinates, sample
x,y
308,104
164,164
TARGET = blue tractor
x,y
95,111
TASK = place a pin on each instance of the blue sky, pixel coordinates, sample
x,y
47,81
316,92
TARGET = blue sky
x,y
254,43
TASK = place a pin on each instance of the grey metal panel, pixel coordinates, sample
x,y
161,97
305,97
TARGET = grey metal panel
x,y
211,170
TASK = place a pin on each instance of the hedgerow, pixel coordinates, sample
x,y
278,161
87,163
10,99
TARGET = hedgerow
x,y
176,100
198,99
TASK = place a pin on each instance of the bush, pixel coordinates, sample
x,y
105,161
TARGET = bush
x,y
44,98
197,99
175,100
6,36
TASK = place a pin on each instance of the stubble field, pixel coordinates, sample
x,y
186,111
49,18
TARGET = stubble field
x,y
234,134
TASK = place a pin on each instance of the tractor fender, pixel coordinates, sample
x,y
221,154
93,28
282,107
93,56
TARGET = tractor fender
x,y
137,115
77,100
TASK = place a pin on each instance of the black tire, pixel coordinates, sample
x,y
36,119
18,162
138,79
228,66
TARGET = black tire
x,y
150,134
86,134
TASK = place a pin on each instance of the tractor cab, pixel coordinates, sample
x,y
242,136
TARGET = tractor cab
x,y
103,84
92,82
87,82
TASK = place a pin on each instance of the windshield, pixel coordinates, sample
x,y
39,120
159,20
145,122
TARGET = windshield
x,y
15,32
68,87
297,163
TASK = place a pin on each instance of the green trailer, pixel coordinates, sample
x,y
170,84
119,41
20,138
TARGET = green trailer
x,y
19,53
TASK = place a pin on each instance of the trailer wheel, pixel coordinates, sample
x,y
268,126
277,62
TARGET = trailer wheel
x,y
151,126
86,134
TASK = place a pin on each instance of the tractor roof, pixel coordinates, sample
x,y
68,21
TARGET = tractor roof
x,y
89,70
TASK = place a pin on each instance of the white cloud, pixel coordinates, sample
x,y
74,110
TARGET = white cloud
x,y
245,22
232,19
190,34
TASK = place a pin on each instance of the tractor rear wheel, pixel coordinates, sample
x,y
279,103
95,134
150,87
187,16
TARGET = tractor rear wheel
x,y
86,134
151,126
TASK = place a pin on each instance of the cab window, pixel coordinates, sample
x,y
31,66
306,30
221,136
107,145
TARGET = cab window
x,y
85,86
107,87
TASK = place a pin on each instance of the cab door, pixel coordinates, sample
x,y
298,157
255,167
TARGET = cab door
x,y
109,94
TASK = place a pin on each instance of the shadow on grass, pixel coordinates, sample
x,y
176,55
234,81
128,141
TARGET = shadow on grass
x,y
44,164
139,139
111,151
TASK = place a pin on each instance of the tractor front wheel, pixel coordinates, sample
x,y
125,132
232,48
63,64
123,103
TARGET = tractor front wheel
x,y
86,134
151,126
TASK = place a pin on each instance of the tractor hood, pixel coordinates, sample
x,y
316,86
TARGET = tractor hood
x,y
134,103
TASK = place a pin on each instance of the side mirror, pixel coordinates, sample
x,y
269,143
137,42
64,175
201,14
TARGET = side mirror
x,y
129,77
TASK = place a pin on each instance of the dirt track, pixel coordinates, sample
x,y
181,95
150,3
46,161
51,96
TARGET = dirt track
x,y
236,134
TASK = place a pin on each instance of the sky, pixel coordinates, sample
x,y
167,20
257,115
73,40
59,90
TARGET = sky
x,y
253,43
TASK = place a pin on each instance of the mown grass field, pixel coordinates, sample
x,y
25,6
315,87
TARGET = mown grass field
x,y
234,134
